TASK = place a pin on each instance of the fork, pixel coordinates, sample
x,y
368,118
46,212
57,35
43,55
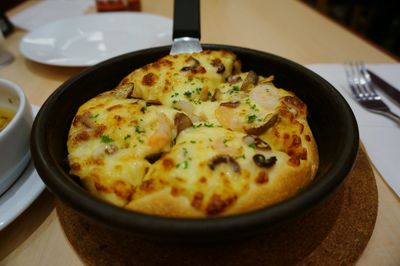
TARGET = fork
x,y
364,92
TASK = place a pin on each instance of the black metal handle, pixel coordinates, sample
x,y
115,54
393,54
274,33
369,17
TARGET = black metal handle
x,y
186,19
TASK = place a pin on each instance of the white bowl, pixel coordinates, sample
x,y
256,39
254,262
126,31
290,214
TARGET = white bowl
x,y
14,137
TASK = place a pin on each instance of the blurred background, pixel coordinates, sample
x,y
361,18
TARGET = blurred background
x,y
374,20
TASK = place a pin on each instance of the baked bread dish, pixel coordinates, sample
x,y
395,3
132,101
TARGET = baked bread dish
x,y
191,135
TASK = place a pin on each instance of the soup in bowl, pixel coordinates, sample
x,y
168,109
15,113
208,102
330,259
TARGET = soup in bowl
x,y
15,124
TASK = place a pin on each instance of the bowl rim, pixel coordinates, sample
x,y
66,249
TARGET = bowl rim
x,y
151,226
17,90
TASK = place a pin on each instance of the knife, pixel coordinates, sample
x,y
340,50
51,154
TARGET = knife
x,y
385,87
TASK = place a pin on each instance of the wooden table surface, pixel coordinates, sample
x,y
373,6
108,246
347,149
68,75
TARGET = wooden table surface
x,y
286,28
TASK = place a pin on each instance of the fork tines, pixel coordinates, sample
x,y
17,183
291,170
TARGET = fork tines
x,y
364,92
360,81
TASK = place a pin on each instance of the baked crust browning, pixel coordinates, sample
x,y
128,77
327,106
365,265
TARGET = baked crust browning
x,y
193,136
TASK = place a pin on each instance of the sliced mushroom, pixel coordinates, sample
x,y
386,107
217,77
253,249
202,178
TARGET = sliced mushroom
x,y
237,67
194,67
217,95
218,64
124,91
257,142
85,120
153,102
271,121
218,159
230,104
260,161
296,103
204,94
110,149
233,79
220,69
182,122
268,79
152,158
250,81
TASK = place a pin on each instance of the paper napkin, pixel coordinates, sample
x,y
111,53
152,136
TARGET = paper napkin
x,y
380,135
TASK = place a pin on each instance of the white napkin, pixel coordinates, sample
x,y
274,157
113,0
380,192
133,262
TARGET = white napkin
x,y
380,135
49,10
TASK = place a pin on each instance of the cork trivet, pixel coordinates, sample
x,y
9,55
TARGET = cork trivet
x,y
335,233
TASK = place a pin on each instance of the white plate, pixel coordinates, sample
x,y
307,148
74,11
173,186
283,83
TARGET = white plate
x,y
22,193
87,40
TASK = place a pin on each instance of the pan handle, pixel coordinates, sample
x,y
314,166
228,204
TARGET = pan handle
x,y
186,19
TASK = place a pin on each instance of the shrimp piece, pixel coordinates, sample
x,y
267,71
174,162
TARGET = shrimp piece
x,y
265,96
163,135
189,109
227,118
222,146
185,106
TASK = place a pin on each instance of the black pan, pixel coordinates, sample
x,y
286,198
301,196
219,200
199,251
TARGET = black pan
x,y
330,118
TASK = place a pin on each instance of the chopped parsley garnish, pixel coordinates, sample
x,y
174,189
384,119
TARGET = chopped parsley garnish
x,y
94,116
196,101
183,165
138,130
140,140
206,124
10,100
185,151
106,139
199,79
252,106
176,94
251,118
187,93
225,141
198,90
241,157
193,141
197,126
252,145
235,89
127,136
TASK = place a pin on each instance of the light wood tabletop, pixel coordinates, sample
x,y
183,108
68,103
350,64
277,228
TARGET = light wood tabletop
x,y
286,28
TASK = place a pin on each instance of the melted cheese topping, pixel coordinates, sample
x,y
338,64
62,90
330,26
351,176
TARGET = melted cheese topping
x,y
189,135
